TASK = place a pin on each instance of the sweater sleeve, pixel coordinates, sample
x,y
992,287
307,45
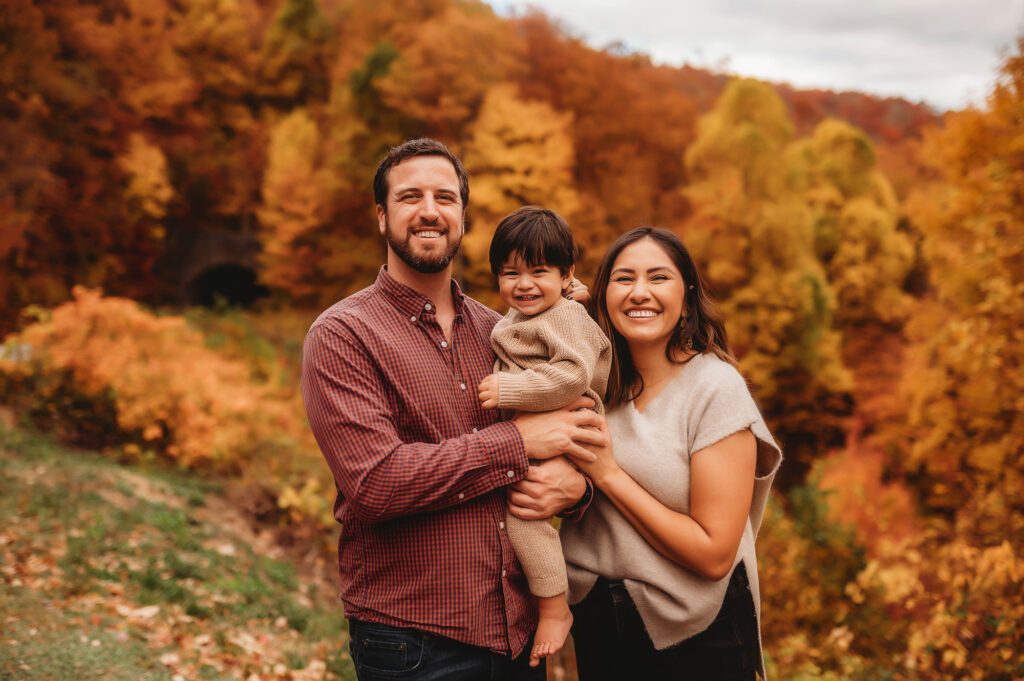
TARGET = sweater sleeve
x,y
722,406
577,353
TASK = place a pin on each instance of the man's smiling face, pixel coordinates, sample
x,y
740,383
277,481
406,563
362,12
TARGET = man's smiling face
x,y
423,223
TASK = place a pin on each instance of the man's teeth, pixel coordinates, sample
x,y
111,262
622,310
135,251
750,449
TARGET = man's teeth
x,y
641,313
428,234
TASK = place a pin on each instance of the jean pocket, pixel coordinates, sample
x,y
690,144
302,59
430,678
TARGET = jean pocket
x,y
387,652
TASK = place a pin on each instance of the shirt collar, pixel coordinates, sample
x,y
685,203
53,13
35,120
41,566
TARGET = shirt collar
x,y
411,302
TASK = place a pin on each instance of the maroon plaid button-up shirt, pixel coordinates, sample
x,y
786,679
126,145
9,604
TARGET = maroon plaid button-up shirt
x,y
419,466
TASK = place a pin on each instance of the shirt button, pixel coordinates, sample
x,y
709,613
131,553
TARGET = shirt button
x,y
503,572
426,307
511,474
444,344
412,319
461,495
501,524
462,385
476,430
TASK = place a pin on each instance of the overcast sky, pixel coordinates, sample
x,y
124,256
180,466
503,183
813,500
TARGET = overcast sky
x,y
942,52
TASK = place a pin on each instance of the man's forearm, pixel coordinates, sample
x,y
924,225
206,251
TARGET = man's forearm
x,y
423,477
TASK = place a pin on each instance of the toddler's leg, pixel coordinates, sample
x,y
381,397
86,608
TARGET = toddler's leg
x,y
540,553
552,627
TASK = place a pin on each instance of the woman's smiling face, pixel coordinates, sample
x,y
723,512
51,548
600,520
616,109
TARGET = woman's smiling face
x,y
646,295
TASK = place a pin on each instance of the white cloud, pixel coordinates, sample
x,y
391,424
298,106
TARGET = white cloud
x,y
944,52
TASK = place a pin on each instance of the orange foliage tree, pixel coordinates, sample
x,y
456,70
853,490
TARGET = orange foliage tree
x,y
964,439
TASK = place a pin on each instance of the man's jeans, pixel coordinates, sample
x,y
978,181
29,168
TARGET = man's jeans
x,y
380,652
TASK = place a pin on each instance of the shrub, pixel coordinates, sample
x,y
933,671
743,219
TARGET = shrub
x,y
104,372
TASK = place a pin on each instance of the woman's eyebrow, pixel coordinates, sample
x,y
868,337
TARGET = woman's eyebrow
x,y
630,270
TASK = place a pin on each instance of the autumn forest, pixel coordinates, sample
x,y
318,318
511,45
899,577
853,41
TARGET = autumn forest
x,y
185,184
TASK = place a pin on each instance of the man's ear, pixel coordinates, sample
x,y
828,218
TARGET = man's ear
x,y
382,218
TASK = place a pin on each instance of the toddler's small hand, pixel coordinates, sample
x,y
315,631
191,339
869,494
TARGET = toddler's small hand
x,y
489,391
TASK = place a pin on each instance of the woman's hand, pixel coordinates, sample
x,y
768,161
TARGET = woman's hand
x,y
603,467
577,291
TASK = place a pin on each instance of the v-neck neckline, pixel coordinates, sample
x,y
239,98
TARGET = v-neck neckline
x,y
665,388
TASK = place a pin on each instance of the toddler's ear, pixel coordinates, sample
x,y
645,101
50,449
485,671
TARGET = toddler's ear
x,y
567,277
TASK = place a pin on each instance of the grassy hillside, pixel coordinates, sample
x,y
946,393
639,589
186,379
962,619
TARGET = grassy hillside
x,y
114,573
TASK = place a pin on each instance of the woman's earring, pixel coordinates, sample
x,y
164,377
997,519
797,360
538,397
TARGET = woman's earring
x,y
682,325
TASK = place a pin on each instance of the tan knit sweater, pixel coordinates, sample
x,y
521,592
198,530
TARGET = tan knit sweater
x,y
548,360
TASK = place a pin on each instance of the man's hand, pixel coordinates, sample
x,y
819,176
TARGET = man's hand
x,y
489,391
550,487
563,431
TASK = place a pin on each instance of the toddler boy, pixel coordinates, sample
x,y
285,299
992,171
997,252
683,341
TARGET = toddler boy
x,y
549,352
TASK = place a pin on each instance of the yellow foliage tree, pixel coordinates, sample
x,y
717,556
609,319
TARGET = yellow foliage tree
x,y
755,242
148,190
295,193
447,65
519,153
216,38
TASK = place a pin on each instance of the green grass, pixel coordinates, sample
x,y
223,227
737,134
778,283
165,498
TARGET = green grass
x,y
105,571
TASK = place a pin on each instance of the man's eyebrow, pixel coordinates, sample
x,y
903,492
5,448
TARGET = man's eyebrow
x,y
400,189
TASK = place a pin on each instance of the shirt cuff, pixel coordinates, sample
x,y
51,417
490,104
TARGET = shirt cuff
x,y
508,453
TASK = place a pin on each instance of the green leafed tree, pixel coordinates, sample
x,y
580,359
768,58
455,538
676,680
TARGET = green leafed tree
x,y
855,216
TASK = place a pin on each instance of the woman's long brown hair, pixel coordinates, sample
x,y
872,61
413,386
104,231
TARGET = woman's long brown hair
x,y
704,325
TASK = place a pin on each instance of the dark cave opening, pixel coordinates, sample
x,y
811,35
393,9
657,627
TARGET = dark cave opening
x,y
225,284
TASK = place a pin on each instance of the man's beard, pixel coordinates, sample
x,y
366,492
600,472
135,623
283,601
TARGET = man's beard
x,y
427,263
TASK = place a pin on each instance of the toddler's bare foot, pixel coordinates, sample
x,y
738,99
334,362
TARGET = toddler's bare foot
x,y
552,629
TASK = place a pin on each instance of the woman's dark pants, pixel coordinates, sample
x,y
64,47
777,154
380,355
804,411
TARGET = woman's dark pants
x,y
611,642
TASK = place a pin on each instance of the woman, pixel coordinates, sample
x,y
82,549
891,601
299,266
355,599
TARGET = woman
x,y
662,570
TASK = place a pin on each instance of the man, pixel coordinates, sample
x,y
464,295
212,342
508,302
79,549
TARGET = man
x,y
430,584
